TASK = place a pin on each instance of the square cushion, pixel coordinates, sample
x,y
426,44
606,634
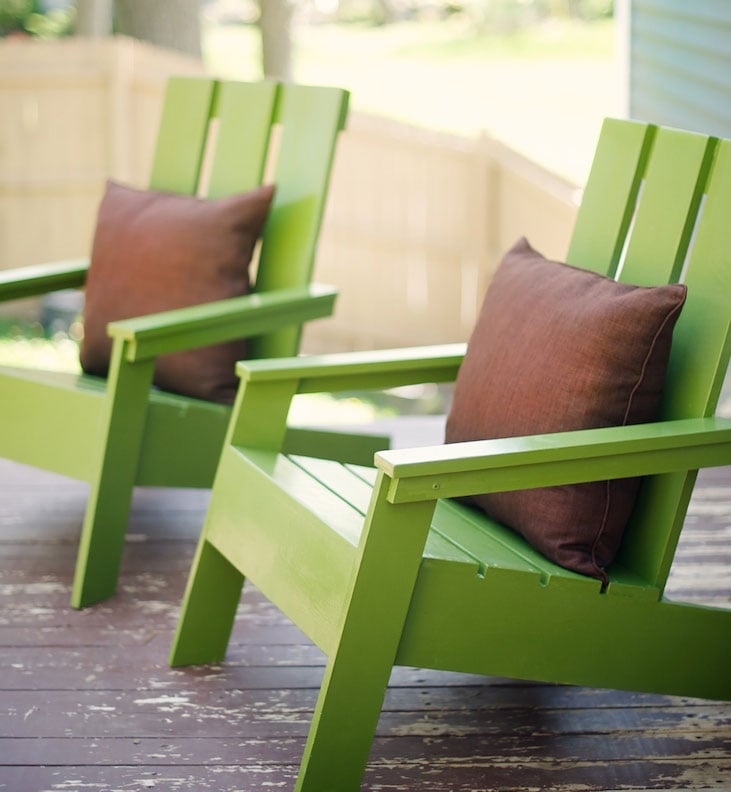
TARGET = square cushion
x,y
556,348
156,251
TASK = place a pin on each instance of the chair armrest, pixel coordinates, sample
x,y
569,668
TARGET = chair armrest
x,y
22,282
223,320
386,368
460,469
268,385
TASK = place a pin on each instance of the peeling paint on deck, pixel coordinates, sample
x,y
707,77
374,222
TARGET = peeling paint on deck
x,y
90,704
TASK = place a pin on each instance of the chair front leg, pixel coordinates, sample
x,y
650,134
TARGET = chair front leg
x,y
107,512
359,666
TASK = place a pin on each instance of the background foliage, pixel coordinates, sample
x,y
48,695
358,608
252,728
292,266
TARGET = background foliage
x,y
35,18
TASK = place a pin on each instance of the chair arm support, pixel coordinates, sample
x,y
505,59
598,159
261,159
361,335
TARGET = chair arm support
x,y
22,282
471,468
223,320
331,373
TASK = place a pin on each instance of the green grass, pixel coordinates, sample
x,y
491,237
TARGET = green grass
x,y
543,90
552,39
232,51
24,344
235,50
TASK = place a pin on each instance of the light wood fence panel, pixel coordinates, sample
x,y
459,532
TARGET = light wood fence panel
x,y
416,224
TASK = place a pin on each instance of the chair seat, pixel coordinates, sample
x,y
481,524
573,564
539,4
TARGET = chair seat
x,y
325,503
61,437
56,379
74,409
464,535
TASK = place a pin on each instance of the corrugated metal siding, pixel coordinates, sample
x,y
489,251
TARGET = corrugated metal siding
x,y
680,64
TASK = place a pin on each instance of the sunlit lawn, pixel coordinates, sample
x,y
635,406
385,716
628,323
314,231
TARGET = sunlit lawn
x,y
543,90
25,344
49,354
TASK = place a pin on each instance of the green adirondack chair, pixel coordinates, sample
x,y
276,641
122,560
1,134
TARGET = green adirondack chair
x,y
380,567
120,432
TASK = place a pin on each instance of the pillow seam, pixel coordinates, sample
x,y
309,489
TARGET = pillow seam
x,y
651,349
643,371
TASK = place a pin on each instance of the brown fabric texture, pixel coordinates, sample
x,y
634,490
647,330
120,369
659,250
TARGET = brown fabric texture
x,y
556,348
156,251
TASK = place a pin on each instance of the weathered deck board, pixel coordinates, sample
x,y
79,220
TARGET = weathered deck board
x,y
469,775
88,701
183,751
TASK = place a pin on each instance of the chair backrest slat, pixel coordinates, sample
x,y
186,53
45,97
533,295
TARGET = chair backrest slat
x,y
704,342
609,198
672,187
310,118
182,135
244,113
698,365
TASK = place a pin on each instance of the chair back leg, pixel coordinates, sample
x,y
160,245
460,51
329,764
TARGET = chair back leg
x,y
209,608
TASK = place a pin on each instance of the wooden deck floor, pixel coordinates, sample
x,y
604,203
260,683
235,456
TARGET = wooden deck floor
x,y
88,702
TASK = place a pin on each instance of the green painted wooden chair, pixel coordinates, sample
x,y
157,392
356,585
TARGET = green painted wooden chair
x,y
381,567
120,432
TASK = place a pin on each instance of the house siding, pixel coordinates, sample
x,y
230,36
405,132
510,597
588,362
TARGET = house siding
x,y
680,64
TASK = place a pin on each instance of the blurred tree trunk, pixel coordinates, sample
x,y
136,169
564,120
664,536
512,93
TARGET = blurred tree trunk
x,y
275,25
383,12
167,23
93,18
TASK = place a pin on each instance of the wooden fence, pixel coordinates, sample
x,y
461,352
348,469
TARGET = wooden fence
x,y
415,224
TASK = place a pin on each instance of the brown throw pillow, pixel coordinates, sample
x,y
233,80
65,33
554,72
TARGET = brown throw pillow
x,y
557,348
155,251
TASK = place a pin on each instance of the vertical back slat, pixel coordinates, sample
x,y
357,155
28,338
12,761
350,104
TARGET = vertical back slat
x,y
182,135
609,198
674,180
698,363
311,118
701,341
244,112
